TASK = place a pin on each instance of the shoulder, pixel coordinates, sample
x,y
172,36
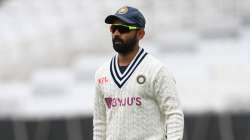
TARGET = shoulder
x,y
153,64
158,68
103,69
151,60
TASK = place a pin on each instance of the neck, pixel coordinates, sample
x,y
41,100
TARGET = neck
x,y
125,59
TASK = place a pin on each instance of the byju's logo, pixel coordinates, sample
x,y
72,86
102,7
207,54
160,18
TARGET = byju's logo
x,y
108,102
122,102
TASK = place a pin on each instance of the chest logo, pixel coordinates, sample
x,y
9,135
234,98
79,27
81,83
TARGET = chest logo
x,y
123,102
141,79
103,80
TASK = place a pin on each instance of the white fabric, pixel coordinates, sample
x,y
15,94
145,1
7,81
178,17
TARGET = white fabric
x,y
147,111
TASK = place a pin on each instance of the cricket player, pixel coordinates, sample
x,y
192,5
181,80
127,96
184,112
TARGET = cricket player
x,y
135,96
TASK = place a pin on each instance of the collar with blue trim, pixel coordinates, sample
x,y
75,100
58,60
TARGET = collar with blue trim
x,y
121,78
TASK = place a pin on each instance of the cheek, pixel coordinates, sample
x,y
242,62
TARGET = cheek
x,y
134,35
122,37
138,36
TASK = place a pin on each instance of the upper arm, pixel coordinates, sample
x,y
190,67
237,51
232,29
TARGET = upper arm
x,y
167,98
99,115
165,91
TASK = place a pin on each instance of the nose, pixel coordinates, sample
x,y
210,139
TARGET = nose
x,y
116,33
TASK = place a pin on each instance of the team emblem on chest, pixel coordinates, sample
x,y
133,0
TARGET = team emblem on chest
x,y
121,78
141,79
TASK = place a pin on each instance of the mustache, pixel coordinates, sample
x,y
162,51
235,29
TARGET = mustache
x,y
117,39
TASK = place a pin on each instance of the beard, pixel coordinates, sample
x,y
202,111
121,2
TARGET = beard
x,y
124,47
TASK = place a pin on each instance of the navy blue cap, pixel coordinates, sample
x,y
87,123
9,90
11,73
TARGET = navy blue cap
x,y
129,15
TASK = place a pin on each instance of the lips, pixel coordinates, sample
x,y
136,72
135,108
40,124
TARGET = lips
x,y
117,42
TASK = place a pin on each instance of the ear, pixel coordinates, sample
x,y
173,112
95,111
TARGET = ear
x,y
140,34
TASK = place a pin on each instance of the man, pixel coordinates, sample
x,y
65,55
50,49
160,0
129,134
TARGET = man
x,y
135,95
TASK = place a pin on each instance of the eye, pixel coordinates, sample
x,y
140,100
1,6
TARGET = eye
x,y
120,28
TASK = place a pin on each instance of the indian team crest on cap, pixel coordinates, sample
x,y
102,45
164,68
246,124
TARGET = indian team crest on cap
x,y
141,79
123,10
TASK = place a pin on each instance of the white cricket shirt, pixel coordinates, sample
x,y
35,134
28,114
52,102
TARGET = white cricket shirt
x,y
139,104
